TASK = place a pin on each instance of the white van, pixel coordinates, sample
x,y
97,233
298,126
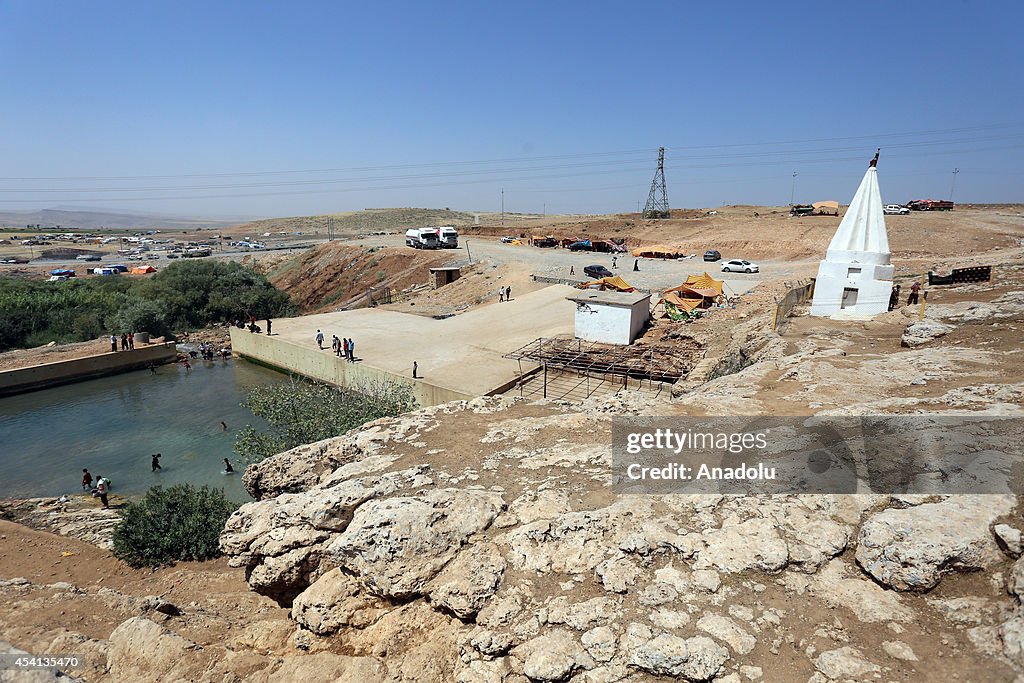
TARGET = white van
x,y
422,238
449,237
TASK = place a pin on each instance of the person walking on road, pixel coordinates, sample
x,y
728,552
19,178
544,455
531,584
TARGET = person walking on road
x,y
320,339
351,350
501,295
415,368
636,265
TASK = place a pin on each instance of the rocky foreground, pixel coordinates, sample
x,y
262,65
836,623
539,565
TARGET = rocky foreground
x,y
481,542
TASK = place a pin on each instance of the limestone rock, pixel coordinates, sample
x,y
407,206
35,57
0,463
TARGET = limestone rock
x,y
727,630
335,600
553,656
911,549
1015,580
695,659
923,332
897,649
469,581
1009,538
844,663
600,643
396,545
139,646
753,544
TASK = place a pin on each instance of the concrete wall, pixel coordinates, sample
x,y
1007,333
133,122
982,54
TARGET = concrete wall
x,y
325,366
611,324
77,369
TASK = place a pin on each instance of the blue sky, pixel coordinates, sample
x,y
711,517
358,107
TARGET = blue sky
x,y
276,108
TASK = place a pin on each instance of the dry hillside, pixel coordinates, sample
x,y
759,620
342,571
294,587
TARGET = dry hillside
x,y
357,222
334,275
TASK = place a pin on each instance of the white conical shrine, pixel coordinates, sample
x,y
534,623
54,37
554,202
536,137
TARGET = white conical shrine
x,y
855,279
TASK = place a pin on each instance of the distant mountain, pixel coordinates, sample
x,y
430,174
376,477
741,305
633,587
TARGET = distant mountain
x,y
85,219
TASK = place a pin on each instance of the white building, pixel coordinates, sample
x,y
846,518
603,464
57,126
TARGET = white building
x,y
855,279
611,317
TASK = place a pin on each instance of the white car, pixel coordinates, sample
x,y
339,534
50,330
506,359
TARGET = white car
x,y
740,266
895,210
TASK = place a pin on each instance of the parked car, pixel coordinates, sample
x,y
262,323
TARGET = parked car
x,y
895,210
712,255
58,278
506,239
172,255
737,265
87,257
597,271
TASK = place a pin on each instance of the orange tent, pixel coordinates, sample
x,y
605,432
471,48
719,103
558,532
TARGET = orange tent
x,y
659,251
142,270
615,282
702,282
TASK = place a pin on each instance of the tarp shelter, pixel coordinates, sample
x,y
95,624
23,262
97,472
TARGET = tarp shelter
x,y
699,291
700,282
828,208
615,282
659,251
142,270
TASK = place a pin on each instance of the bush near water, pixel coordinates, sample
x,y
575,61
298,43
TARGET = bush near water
x,y
182,296
303,411
182,522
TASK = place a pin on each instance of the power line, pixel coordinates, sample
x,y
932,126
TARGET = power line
x,y
633,152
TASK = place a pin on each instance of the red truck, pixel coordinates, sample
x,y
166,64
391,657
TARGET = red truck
x,y
930,205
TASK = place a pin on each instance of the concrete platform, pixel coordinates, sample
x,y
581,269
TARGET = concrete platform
x,y
458,357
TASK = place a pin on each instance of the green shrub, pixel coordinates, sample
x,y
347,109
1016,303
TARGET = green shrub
x,y
141,315
303,411
177,523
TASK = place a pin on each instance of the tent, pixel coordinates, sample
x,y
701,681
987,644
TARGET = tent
x,y
142,270
615,282
659,251
702,282
699,291
829,208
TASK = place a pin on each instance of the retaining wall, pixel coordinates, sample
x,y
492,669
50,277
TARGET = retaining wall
x,y
326,367
78,369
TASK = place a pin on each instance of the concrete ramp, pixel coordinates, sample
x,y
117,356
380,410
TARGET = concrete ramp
x,y
458,357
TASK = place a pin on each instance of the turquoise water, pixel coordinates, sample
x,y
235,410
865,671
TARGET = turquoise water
x,y
112,425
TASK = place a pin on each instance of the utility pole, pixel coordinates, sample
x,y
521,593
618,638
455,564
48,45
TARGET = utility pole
x,y
503,207
792,192
956,171
468,254
545,214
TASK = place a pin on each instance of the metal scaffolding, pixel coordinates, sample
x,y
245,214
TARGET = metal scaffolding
x,y
587,360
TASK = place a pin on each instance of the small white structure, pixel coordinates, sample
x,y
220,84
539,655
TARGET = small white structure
x,y
611,317
855,279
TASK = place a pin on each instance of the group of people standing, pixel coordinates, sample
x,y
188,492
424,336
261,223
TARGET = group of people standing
x,y
127,342
341,347
504,294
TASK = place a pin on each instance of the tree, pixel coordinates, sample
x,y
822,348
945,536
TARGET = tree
x,y
302,411
141,315
178,523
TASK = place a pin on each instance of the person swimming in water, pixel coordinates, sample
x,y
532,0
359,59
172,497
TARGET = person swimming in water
x,y
223,426
156,461
228,469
